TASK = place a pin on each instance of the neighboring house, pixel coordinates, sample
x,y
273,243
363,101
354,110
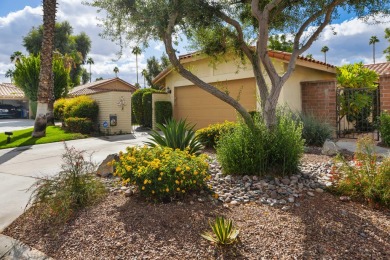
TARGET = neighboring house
x,y
237,79
13,102
383,69
114,99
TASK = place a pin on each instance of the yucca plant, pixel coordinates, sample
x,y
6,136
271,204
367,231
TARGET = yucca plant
x,y
176,135
223,232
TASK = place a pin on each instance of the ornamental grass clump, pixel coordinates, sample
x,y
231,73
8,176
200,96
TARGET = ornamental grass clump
x,y
365,178
57,198
261,151
176,135
163,173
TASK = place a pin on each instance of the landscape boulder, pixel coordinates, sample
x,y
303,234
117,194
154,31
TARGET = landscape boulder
x,y
105,169
330,148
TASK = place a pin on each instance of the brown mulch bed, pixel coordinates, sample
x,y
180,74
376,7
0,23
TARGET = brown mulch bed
x,y
321,227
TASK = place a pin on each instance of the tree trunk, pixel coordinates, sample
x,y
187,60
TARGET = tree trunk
x,y
196,80
45,88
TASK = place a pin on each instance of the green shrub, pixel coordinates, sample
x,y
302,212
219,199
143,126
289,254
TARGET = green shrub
x,y
147,107
81,106
57,198
384,127
315,131
79,125
176,135
366,178
260,151
141,108
163,110
59,106
210,135
162,173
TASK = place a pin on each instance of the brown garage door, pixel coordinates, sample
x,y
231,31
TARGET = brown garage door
x,y
201,108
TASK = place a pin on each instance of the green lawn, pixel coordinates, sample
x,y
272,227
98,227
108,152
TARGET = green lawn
x,y
23,137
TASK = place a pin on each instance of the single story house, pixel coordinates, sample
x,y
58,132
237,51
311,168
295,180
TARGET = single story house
x,y
114,99
13,98
237,79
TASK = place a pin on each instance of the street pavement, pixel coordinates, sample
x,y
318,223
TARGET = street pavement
x,y
20,167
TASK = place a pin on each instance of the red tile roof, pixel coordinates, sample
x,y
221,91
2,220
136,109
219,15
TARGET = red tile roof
x,y
380,68
99,87
10,91
281,55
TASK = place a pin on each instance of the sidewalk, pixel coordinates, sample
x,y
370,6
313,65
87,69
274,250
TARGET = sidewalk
x,y
12,249
351,146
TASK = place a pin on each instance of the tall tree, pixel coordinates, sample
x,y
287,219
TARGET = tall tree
x,y
280,43
10,74
45,89
325,49
116,70
154,67
231,26
90,61
26,76
387,50
136,51
144,73
76,46
372,42
85,78
16,56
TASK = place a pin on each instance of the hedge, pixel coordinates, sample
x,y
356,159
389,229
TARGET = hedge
x,y
163,111
79,125
139,107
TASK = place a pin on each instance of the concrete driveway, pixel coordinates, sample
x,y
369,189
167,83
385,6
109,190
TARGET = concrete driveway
x,y
7,125
19,167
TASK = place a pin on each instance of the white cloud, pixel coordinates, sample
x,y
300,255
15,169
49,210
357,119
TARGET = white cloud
x,y
350,43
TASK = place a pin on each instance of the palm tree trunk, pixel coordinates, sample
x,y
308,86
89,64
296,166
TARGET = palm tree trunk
x,y
136,65
90,73
45,88
373,52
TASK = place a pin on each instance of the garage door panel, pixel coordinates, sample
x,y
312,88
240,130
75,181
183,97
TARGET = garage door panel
x,y
202,108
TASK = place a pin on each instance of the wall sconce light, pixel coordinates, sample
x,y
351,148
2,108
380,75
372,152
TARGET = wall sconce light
x,y
168,90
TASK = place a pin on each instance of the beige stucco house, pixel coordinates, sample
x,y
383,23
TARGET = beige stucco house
x,y
237,79
114,99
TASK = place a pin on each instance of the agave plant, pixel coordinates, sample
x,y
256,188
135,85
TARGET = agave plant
x,y
176,134
223,232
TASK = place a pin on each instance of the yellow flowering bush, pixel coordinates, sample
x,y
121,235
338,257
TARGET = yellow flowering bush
x,y
162,173
210,135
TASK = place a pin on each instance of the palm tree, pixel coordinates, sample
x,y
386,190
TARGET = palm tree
x,y
45,89
9,74
116,70
325,49
90,62
16,56
136,51
372,41
144,74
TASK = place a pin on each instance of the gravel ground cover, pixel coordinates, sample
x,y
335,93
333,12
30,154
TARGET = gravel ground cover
x,y
312,227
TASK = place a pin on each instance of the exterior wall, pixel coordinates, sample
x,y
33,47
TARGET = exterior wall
x,y
158,97
319,100
116,85
291,94
384,88
108,105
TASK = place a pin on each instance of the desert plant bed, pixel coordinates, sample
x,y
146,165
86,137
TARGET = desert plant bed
x,y
318,226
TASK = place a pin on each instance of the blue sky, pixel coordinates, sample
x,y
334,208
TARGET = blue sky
x,y
17,17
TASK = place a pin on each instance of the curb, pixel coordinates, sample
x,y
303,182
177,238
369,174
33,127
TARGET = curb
x,y
11,249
